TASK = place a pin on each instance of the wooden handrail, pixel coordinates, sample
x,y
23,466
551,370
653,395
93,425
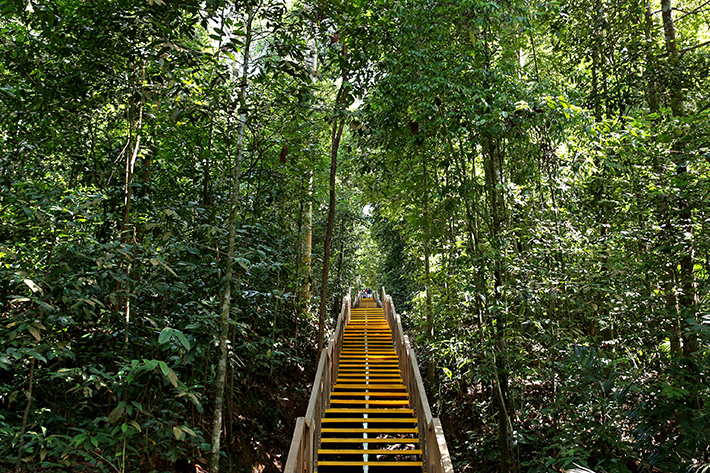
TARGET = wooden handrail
x,y
433,443
304,445
358,298
377,299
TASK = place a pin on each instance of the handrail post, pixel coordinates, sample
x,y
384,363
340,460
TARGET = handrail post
x,y
304,445
435,453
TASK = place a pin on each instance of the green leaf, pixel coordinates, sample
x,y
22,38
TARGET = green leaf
x,y
165,335
79,439
117,412
182,339
167,267
168,373
243,262
35,333
31,284
188,430
178,433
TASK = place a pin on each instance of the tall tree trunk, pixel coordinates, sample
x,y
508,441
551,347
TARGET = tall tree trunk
x,y
493,170
651,84
336,134
341,267
131,153
427,276
306,251
226,299
207,178
687,298
25,415
596,104
306,247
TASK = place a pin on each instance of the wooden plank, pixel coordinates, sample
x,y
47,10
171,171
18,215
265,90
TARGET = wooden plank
x,y
445,457
296,442
420,386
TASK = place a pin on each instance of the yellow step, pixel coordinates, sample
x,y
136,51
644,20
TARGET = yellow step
x,y
370,382
361,440
368,410
371,369
369,386
372,402
361,379
377,431
326,451
362,420
378,394
375,463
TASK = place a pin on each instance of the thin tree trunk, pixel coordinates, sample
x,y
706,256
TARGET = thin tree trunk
x,y
306,252
493,175
226,299
131,157
427,277
687,297
207,178
306,247
337,133
25,416
595,81
341,267
651,84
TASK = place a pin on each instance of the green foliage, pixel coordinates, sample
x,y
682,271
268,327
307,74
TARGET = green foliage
x,y
567,223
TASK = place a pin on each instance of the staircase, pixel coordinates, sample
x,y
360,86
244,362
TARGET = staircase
x,y
370,422
368,411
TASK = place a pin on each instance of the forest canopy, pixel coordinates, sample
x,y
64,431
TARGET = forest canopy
x,y
188,189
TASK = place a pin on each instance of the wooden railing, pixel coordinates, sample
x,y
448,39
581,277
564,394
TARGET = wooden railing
x,y
304,445
358,298
431,435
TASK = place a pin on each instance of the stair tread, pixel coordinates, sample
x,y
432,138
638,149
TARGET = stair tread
x,y
326,451
369,420
368,410
368,463
392,441
369,383
371,430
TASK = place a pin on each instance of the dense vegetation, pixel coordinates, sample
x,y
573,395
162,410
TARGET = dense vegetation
x,y
178,179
